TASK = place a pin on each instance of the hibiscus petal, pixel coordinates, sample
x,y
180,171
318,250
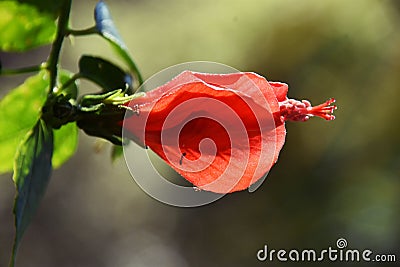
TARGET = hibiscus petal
x,y
280,90
220,132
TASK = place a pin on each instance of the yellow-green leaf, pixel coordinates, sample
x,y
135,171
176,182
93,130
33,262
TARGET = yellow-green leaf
x,y
23,27
65,143
19,111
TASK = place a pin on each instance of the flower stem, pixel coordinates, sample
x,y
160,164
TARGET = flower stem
x,y
22,70
88,31
57,44
70,81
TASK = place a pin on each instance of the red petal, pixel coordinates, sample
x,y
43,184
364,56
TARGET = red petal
x,y
280,90
220,132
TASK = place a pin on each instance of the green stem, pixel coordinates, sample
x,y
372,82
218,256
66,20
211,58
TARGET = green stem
x,y
91,30
56,48
70,81
22,70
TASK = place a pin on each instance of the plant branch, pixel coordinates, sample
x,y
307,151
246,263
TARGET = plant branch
x,y
56,47
91,30
70,81
22,70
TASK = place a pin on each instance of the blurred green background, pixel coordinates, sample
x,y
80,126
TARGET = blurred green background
x,y
332,180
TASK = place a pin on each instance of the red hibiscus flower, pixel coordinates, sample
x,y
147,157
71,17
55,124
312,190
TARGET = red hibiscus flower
x,y
221,132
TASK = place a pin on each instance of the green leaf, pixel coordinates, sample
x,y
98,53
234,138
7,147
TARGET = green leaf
x,y
19,111
47,6
104,73
32,171
72,88
105,26
65,144
23,27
